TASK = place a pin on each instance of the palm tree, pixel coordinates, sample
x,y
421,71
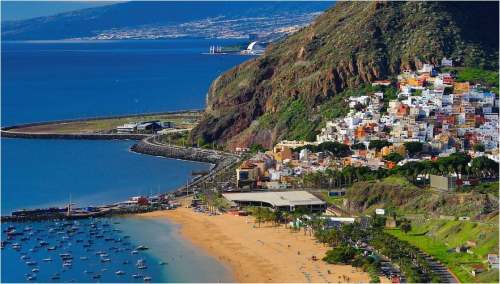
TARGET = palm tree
x,y
442,169
278,216
286,217
259,215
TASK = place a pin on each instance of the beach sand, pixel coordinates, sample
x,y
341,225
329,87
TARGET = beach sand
x,y
265,254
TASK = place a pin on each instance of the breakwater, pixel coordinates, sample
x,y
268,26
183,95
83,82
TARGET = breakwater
x,y
103,212
221,161
16,131
86,119
75,136
150,147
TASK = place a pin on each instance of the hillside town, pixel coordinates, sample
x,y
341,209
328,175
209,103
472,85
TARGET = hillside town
x,y
423,115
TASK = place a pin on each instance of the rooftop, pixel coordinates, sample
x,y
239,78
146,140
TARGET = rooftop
x,y
285,198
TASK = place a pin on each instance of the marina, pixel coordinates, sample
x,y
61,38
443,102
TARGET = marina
x,y
76,245
140,204
82,255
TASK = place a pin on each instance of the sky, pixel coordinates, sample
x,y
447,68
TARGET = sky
x,y
20,10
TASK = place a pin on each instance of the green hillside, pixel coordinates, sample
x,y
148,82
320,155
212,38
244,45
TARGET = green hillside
x,y
435,228
439,238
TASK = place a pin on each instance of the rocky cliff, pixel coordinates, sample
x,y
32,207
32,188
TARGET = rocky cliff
x,y
287,92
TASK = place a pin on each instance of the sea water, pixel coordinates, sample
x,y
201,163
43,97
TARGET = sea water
x,y
60,80
104,250
69,79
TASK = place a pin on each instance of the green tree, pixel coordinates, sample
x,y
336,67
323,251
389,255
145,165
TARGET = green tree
x,y
342,254
255,148
405,226
413,147
394,157
358,146
478,147
378,144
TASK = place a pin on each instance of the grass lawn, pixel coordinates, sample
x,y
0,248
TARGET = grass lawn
x,y
446,255
332,200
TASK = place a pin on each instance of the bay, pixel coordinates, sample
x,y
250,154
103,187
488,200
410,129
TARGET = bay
x,y
44,81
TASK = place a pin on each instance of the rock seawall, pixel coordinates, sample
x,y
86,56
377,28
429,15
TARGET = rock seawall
x,y
221,161
177,152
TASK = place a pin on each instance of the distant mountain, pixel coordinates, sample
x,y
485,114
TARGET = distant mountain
x,y
291,90
167,19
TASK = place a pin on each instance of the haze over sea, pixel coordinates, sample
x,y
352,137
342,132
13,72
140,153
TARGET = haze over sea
x,y
44,81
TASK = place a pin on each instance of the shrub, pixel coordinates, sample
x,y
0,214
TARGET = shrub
x,y
342,254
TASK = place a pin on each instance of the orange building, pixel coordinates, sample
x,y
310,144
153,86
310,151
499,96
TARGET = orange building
x,y
460,88
403,110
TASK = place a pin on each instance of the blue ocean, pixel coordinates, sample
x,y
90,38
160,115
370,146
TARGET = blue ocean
x,y
44,81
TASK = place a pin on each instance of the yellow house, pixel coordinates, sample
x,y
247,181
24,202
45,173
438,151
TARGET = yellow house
x,y
282,153
400,149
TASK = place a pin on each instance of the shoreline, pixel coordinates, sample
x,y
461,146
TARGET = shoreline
x,y
265,254
218,161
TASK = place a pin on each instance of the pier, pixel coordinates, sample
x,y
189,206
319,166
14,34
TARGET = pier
x,y
105,211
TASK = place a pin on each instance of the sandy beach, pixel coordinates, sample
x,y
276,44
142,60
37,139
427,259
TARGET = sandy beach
x,y
265,254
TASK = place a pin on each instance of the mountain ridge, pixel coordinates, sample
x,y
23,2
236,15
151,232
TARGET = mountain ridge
x,y
286,90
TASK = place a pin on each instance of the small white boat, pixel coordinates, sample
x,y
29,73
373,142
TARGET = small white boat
x,y
141,247
47,259
35,270
147,279
120,272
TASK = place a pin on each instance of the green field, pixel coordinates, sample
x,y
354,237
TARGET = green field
x,y
332,200
440,237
